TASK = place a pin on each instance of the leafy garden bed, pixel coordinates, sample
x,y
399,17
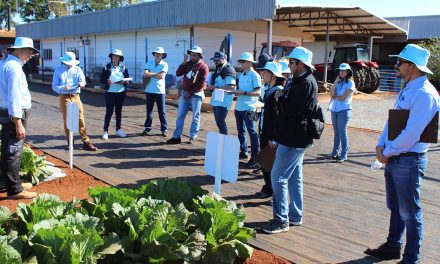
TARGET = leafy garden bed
x,y
152,224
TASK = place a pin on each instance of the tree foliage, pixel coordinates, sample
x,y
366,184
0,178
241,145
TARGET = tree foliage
x,y
433,45
4,4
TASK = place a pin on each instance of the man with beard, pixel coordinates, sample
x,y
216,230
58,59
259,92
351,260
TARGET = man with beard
x,y
194,74
405,157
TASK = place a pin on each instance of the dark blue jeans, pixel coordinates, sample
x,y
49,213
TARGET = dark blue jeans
x,y
159,99
242,120
11,149
220,114
402,181
113,102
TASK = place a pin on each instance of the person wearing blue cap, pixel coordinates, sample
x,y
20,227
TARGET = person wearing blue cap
x,y
247,96
341,94
405,157
224,79
112,76
156,70
295,104
15,104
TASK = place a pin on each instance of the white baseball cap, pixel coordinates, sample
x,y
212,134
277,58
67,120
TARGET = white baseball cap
x,y
195,49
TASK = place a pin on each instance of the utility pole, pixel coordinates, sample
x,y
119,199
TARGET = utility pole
x,y
9,17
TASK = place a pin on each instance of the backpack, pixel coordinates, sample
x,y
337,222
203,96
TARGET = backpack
x,y
316,122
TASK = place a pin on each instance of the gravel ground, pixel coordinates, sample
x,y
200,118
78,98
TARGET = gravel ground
x,y
369,111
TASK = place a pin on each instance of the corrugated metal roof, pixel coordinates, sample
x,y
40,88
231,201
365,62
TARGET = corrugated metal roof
x,y
149,15
420,27
342,20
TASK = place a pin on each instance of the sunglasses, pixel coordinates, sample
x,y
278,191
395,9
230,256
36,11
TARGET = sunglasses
x,y
400,62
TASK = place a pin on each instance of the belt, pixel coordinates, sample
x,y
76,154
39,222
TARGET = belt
x,y
410,154
70,95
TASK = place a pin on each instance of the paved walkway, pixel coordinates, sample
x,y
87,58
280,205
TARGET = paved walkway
x,y
344,204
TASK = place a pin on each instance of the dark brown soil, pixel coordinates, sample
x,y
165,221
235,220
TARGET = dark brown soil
x,y
76,183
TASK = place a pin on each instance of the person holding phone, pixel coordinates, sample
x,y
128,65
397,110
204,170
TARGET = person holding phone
x,y
341,94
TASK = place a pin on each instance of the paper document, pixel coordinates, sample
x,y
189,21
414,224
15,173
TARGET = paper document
x,y
218,95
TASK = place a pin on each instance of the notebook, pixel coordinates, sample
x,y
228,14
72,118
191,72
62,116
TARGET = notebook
x,y
397,120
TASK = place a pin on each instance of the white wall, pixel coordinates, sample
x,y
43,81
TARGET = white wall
x,y
137,45
210,39
318,49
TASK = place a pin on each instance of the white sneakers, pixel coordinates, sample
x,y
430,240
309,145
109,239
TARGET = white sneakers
x,y
119,133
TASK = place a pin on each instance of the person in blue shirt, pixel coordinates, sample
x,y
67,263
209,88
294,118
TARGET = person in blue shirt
x,y
405,157
341,94
155,72
224,81
15,104
67,82
247,96
115,91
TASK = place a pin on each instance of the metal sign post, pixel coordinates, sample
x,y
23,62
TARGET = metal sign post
x,y
221,158
72,123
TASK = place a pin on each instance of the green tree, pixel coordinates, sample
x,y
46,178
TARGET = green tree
x,y
4,11
84,6
433,45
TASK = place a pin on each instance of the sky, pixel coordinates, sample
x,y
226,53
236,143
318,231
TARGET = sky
x,y
382,8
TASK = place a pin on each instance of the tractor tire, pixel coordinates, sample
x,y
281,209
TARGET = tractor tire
x,y
373,81
359,75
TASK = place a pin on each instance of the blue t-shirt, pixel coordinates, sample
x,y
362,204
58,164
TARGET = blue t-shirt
x,y
228,97
248,82
155,85
341,87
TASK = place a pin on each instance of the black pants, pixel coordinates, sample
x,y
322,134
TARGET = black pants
x,y
113,102
11,150
267,187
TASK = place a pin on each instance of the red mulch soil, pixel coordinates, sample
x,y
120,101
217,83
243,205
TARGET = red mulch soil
x,y
76,183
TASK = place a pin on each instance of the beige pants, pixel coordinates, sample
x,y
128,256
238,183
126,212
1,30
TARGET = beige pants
x,y
64,99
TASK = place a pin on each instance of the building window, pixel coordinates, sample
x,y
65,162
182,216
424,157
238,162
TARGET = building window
x,y
74,50
47,54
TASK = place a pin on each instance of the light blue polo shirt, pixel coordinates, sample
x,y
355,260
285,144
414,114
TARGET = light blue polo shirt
x,y
247,82
116,87
155,85
341,88
228,97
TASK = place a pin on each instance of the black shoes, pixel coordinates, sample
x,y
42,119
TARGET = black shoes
x,y
191,141
174,141
252,164
243,155
386,251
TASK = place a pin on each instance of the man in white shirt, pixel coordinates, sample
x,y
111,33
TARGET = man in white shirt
x,y
15,103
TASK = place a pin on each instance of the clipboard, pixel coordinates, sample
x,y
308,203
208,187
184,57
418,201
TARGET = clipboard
x,y
397,120
266,157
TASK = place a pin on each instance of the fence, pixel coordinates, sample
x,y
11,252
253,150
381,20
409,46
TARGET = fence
x,y
389,81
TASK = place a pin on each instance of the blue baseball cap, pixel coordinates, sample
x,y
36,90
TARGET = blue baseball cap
x,y
219,55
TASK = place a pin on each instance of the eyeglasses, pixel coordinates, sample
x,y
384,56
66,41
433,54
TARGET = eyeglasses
x,y
400,62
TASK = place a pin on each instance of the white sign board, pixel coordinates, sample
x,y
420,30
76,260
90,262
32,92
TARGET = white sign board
x,y
72,117
221,158
72,123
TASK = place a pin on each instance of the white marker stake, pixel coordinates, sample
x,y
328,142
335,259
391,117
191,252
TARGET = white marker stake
x,y
221,158
72,123
218,165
